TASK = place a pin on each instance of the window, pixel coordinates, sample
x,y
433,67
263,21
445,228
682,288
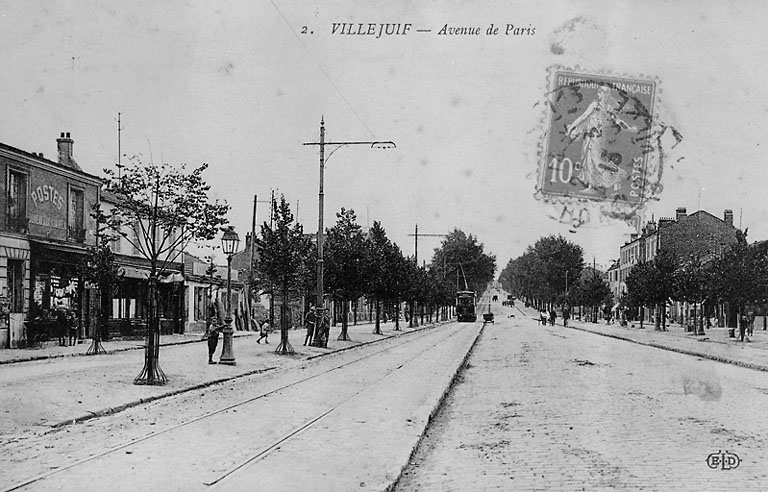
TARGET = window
x,y
16,285
75,215
201,303
17,201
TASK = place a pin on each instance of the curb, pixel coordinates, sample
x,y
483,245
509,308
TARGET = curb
x,y
112,410
385,337
83,354
693,353
436,408
141,401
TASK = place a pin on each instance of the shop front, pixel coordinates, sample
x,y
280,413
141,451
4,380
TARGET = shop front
x,y
130,303
56,284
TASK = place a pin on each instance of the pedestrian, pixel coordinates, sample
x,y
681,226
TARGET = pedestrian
x,y
566,315
309,323
326,328
743,326
62,324
213,341
750,323
213,314
552,316
543,317
264,333
212,325
72,326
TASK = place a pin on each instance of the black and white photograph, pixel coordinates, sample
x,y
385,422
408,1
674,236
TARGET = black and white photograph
x,y
406,246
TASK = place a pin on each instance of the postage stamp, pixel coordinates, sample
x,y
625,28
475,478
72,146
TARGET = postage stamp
x,y
599,138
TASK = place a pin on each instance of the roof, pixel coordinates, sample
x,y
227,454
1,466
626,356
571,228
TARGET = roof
x,y
43,160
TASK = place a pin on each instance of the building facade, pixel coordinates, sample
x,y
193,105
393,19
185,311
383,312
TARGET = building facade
x,y
44,232
698,235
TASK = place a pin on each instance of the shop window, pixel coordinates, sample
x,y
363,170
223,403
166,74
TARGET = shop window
x,y
201,303
76,229
16,285
17,202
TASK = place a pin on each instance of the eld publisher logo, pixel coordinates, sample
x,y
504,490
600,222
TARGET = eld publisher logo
x,y
723,461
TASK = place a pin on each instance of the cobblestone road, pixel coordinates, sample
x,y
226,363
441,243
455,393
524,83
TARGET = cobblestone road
x,y
550,408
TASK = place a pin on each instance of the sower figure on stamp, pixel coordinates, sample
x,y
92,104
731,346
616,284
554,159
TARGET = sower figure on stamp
x,y
599,168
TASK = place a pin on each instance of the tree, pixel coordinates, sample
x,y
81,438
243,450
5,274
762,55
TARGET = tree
x,y
378,254
594,292
544,273
460,254
100,268
639,285
399,279
740,274
652,283
344,261
689,284
283,261
159,210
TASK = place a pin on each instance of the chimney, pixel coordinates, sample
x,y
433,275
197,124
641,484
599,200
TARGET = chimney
x,y
728,216
680,213
65,149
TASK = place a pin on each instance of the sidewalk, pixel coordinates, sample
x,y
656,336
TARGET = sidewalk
x,y
715,344
70,387
53,350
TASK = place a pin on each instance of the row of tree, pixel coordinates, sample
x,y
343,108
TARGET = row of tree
x,y
738,277
358,265
160,209
551,272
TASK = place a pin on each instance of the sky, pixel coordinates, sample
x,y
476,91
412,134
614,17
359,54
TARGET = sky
x,y
243,84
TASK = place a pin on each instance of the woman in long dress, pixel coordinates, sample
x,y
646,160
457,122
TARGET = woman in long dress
x,y
599,168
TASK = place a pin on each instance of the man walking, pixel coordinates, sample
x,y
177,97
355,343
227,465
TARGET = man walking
x,y
264,332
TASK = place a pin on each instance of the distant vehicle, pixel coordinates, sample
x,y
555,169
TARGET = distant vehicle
x,y
510,301
465,306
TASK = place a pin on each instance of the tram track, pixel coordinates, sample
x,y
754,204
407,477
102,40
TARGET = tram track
x,y
242,404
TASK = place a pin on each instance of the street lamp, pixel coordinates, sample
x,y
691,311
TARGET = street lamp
x,y
229,243
317,342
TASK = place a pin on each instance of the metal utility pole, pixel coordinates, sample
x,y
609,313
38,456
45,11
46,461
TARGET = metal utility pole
x,y
416,241
416,257
319,308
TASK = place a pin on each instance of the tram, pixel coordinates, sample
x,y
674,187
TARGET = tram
x,y
465,306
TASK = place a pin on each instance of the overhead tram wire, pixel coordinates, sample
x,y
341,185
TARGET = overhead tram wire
x,y
322,69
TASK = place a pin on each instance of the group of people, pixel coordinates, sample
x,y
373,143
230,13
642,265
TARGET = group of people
x,y
311,323
551,316
214,325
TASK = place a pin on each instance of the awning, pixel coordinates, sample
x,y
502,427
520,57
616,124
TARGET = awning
x,y
173,277
52,252
133,272
143,274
